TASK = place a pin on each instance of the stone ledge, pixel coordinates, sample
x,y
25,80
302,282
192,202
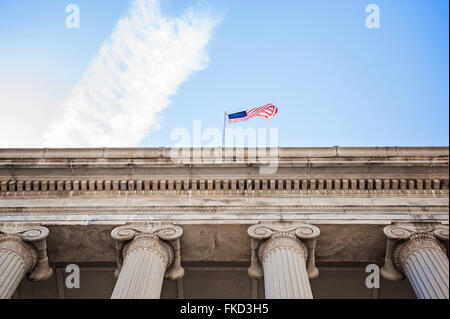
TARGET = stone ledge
x,y
283,152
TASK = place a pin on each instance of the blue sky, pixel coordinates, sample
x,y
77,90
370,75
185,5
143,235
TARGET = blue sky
x,y
334,81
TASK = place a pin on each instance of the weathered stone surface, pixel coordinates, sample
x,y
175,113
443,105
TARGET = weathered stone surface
x,y
349,193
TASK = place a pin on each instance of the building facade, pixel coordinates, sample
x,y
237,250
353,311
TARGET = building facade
x,y
224,223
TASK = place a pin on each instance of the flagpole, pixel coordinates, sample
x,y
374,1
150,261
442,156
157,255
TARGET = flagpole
x,y
224,124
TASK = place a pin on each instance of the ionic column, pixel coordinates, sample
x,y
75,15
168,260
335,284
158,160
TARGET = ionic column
x,y
284,255
417,252
22,252
147,254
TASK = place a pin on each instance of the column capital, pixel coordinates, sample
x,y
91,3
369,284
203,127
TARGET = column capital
x,y
150,241
281,239
162,238
29,243
404,239
265,237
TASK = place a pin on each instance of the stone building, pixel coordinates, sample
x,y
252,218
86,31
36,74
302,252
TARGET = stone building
x,y
151,223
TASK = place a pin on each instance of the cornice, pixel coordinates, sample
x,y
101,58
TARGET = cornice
x,y
282,152
127,160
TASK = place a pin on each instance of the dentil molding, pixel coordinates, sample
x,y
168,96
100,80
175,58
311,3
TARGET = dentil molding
x,y
392,186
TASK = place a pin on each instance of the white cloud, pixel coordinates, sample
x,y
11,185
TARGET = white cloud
x,y
137,70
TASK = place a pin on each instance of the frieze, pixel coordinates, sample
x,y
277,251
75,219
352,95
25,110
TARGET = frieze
x,y
306,209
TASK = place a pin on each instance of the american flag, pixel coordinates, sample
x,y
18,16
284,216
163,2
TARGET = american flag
x,y
268,111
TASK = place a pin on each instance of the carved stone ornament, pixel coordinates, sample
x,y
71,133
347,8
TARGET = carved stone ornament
x,y
29,242
163,239
405,239
329,186
266,237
